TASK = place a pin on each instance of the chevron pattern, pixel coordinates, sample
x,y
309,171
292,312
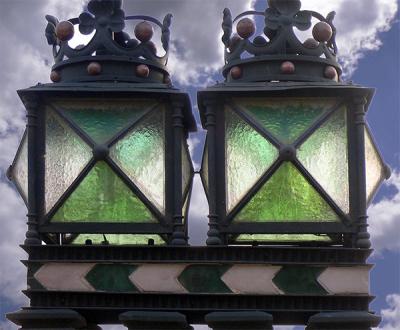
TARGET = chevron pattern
x,y
241,279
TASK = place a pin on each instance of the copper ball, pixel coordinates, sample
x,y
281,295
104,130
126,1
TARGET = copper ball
x,y
94,68
167,80
322,32
236,72
142,70
245,28
152,46
331,73
288,67
144,31
311,43
234,42
65,31
55,76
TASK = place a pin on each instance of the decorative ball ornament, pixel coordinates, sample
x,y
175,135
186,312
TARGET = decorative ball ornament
x,y
246,28
55,76
331,73
236,72
260,41
94,68
167,80
322,32
142,70
234,42
288,67
144,31
152,46
311,43
65,31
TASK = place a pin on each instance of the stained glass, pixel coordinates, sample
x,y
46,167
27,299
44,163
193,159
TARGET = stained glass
x,y
325,156
248,156
140,154
375,171
102,120
287,119
103,197
186,167
204,168
20,168
66,157
118,239
283,238
287,196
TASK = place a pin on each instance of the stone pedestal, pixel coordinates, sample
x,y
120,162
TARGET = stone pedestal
x,y
239,321
343,321
55,319
154,321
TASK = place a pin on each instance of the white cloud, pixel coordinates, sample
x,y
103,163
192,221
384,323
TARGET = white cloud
x,y
391,315
384,219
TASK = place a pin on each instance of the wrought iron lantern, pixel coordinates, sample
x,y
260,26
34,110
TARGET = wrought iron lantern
x,y
105,158
289,158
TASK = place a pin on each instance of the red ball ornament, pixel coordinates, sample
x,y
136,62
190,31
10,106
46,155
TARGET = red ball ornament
x,y
142,70
331,73
234,42
152,47
55,76
311,43
322,32
236,72
144,31
65,31
288,67
245,28
94,68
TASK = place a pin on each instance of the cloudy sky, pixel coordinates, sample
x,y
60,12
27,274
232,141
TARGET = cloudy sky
x,y
368,39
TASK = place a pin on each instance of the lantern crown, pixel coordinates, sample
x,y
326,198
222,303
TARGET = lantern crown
x,y
112,54
278,54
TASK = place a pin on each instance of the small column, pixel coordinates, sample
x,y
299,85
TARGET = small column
x,y
154,321
213,233
55,319
239,321
343,321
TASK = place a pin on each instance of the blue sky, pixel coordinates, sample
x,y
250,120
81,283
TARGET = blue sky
x,y
370,48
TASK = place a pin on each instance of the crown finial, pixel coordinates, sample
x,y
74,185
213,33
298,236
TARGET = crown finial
x,y
112,54
278,54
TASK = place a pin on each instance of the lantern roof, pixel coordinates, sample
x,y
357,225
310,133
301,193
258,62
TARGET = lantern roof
x,y
275,51
113,54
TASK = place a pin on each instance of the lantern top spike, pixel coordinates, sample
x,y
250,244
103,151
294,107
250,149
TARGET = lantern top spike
x,y
277,53
112,54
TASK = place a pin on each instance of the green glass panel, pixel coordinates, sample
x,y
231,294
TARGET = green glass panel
x,y
375,170
325,156
287,196
187,167
66,157
204,168
103,197
102,120
282,238
248,156
287,119
141,153
20,169
185,208
118,239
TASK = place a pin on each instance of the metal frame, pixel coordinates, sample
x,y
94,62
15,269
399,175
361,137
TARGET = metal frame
x,y
345,95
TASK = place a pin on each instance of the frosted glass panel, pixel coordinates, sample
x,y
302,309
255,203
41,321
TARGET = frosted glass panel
x,y
375,172
118,239
287,196
186,167
66,157
248,156
282,238
140,154
325,156
20,168
103,119
103,197
204,168
287,118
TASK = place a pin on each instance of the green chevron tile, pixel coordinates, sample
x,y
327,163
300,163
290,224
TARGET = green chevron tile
x,y
112,278
33,283
299,280
204,279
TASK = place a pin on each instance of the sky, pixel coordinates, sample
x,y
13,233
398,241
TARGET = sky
x,y
369,45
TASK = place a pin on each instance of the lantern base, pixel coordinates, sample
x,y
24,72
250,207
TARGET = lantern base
x,y
343,320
